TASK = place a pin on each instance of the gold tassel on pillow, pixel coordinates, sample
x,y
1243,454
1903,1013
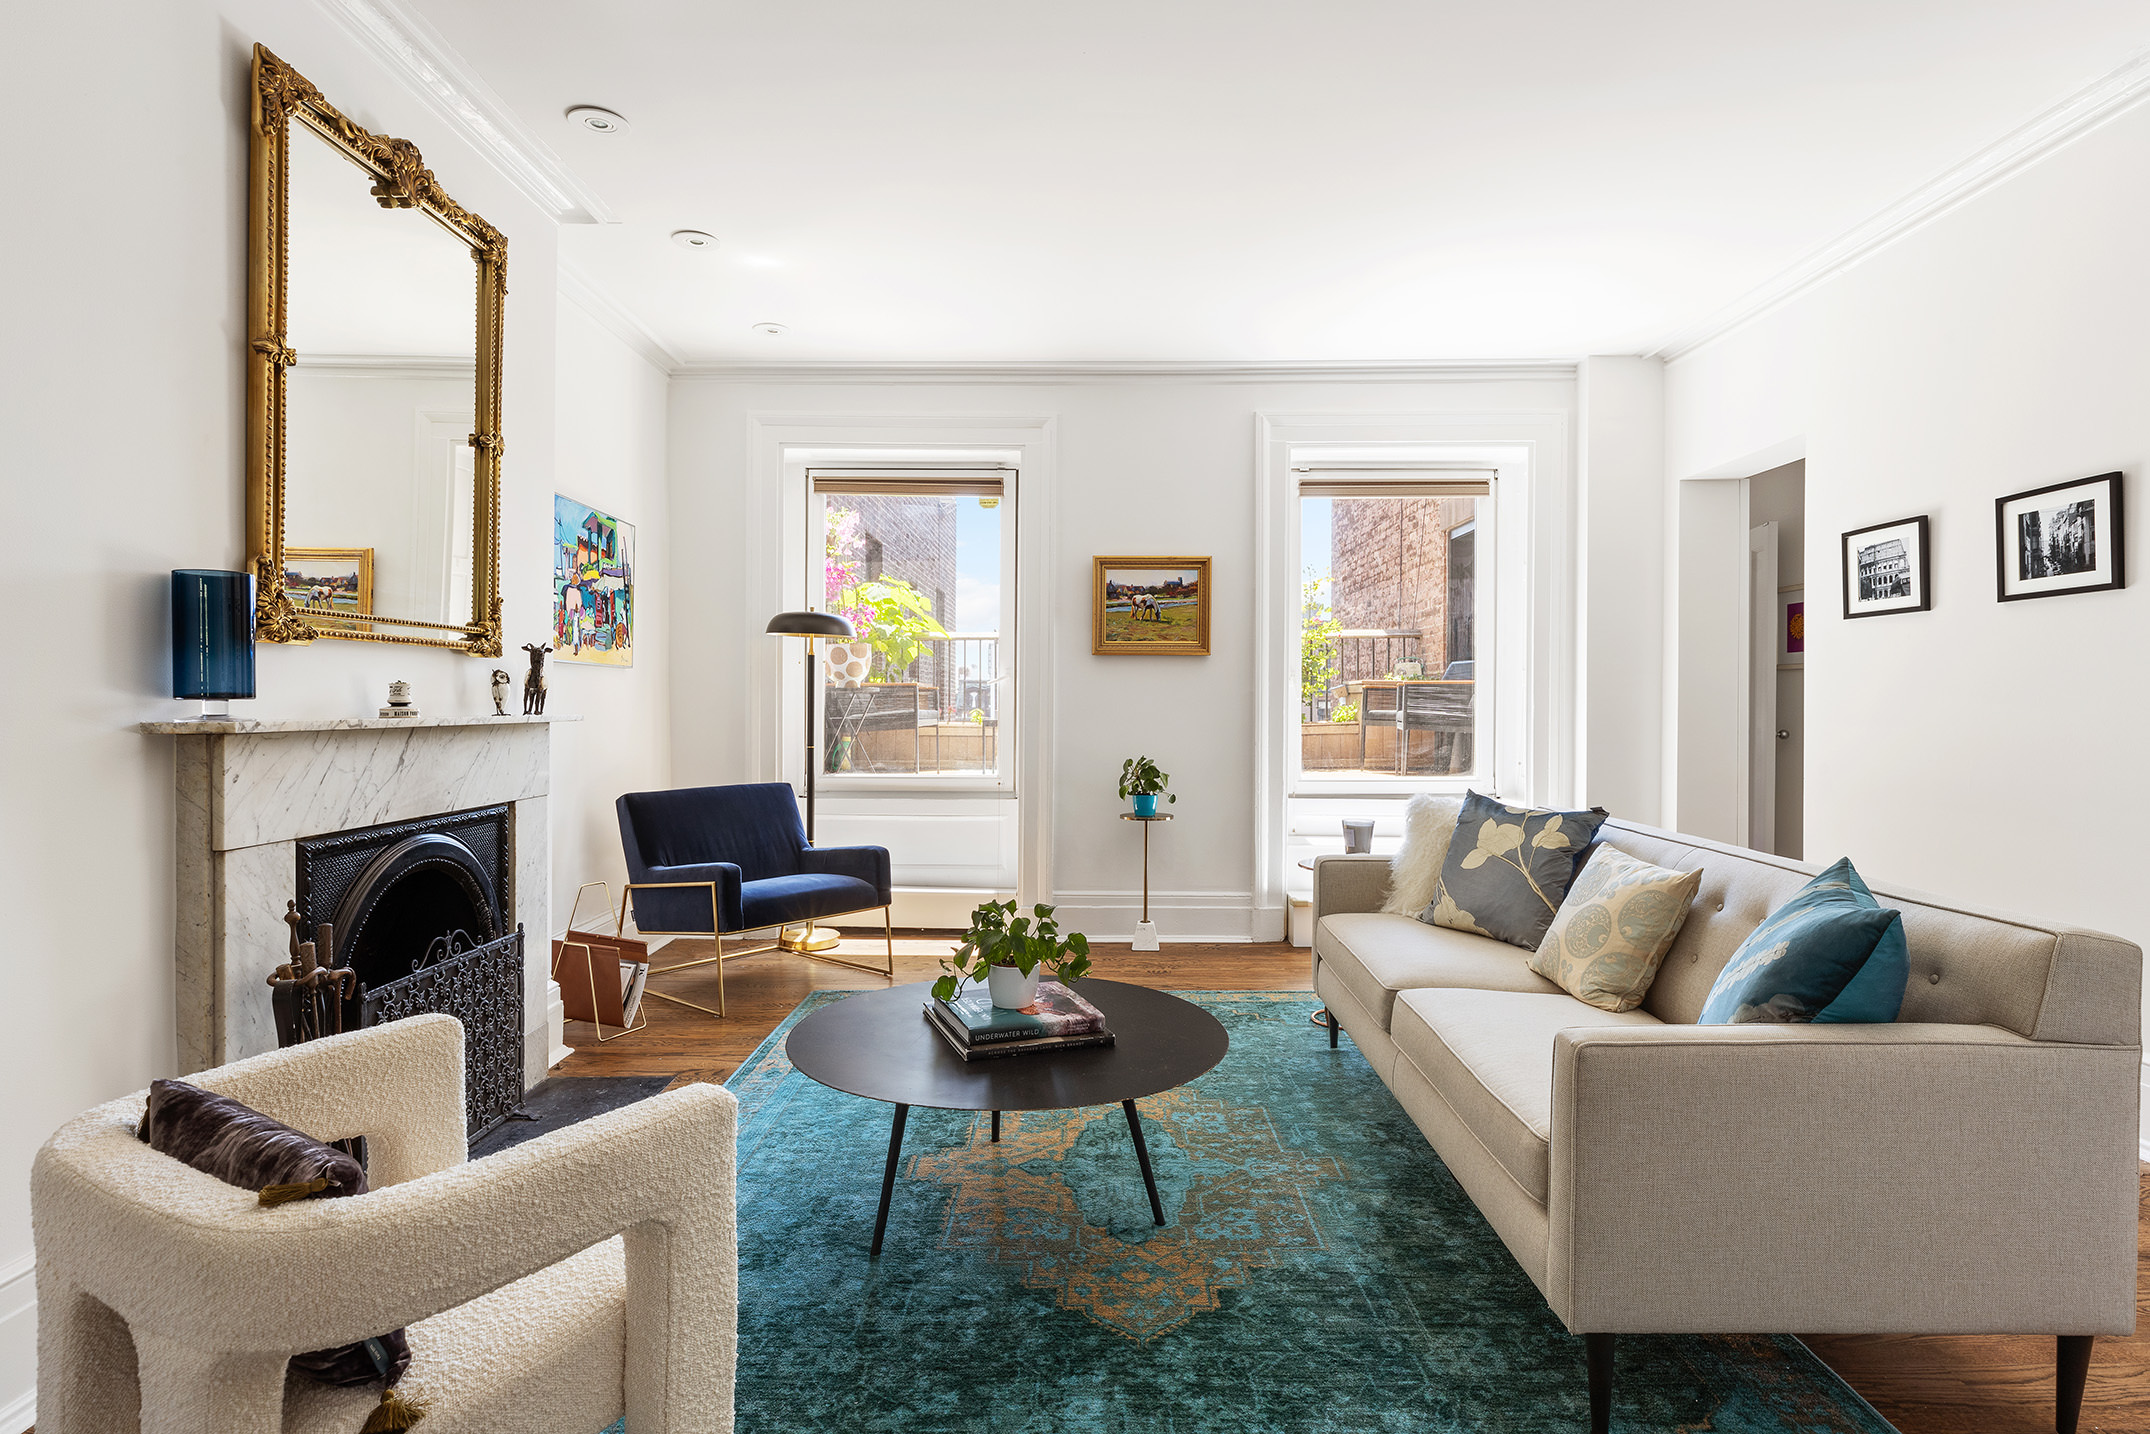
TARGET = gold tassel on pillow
x,y
393,1413
285,1194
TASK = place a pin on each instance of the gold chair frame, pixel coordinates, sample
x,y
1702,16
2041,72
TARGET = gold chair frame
x,y
626,908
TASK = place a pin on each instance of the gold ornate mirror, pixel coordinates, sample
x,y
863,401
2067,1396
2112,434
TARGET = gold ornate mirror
x,y
373,402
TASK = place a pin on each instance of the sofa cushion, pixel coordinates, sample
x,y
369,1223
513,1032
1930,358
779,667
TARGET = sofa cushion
x,y
1375,956
1508,868
1490,1055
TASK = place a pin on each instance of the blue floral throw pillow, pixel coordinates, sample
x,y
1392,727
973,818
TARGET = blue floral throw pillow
x,y
1509,868
1830,954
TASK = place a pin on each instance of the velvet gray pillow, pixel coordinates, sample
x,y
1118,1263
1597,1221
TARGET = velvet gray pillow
x,y
1509,868
240,1146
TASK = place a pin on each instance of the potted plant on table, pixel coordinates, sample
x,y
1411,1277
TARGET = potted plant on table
x,y
1010,953
1140,779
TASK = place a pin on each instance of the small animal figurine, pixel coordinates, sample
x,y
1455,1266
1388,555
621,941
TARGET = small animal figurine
x,y
534,684
502,681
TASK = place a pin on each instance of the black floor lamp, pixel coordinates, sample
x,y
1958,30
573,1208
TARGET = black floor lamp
x,y
810,625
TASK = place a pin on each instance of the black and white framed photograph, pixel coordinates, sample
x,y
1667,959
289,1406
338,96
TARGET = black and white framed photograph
x,y
2062,538
1885,569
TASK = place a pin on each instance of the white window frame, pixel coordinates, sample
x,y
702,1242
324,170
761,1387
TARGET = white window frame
x,y
1533,752
1006,658
1374,474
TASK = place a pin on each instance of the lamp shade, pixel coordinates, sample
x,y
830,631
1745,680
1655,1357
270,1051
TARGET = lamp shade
x,y
811,624
212,634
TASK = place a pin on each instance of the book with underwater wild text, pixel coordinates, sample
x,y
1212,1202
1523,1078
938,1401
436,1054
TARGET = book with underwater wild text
x,y
951,1031
1057,1011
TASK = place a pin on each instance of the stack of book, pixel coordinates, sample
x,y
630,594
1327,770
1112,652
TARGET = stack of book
x,y
977,1029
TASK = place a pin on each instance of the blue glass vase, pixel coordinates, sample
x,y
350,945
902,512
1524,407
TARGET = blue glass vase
x,y
212,634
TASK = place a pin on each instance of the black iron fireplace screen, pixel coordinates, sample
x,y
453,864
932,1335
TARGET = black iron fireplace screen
x,y
410,918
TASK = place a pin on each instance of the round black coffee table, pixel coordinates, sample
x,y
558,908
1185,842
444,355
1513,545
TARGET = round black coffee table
x,y
879,1044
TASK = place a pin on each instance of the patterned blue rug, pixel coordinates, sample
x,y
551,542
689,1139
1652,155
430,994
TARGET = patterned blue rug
x,y
1320,1271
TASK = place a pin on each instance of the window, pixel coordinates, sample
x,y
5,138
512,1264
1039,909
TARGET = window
x,y
923,566
1389,661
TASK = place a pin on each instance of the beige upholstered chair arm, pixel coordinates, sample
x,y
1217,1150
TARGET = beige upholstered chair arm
x,y
400,1085
1349,883
1872,1179
182,1256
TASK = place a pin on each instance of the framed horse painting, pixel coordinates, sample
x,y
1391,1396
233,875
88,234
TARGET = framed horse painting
x,y
1152,607
330,583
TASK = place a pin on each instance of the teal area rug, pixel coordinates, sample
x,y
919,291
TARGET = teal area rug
x,y
1320,1271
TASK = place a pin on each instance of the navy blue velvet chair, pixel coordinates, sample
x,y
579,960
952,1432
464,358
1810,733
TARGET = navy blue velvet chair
x,y
717,861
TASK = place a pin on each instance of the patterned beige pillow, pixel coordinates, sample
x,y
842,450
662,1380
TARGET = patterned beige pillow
x,y
1609,936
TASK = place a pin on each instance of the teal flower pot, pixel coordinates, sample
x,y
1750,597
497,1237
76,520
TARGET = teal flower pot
x,y
1146,806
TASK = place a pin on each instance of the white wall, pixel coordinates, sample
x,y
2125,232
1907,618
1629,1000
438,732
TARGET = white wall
x,y
1620,465
1144,465
1987,751
610,453
122,400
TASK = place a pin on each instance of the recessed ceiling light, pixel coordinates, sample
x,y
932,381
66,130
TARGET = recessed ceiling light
x,y
772,330
693,239
597,120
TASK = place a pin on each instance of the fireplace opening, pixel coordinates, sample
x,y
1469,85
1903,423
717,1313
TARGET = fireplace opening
x,y
419,911
423,891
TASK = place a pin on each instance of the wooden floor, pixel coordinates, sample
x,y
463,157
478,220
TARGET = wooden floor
x,y
1924,1385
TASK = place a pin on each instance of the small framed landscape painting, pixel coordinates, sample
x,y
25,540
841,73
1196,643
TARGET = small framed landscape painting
x,y
1886,569
1155,607
593,585
2063,538
330,582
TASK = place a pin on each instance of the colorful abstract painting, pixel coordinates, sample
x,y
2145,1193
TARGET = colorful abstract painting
x,y
593,585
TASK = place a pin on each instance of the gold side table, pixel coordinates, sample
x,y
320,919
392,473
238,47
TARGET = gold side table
x,y
1146,929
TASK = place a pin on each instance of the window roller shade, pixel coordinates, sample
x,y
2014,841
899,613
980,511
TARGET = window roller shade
x,y
925,484
1371,483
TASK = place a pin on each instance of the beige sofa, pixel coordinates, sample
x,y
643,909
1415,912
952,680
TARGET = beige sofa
x,y
1970,1168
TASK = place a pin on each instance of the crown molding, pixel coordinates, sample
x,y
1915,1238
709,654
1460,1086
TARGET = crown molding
x,y
616,319
415,52
2092,105
835,371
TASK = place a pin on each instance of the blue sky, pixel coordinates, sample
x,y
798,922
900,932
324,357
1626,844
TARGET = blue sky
x,y
977,566
1314,536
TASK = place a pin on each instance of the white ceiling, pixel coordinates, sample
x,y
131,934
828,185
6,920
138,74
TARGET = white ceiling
x,y
1144,180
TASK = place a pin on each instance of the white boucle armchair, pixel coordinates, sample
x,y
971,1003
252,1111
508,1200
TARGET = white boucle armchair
x,y
548,1289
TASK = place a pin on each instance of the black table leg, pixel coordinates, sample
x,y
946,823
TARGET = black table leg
x,y
1142,1153
888,1176
996,1127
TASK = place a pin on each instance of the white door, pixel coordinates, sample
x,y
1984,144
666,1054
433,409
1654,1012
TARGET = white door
x,y
1761,726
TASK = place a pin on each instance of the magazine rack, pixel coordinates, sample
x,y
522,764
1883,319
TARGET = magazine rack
x,y
577,973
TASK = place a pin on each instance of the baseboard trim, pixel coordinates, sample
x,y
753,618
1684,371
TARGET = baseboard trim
x,y
18,1329
1181,917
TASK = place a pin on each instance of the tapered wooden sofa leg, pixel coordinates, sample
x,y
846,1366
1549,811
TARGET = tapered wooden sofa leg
x,y
1332,1028
1598,1349
2070,1369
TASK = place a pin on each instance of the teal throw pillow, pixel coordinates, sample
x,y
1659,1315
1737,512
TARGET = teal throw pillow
x,y
1509,868
1830,954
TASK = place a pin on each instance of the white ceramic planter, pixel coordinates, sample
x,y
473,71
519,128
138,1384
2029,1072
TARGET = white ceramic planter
x,y
1010,988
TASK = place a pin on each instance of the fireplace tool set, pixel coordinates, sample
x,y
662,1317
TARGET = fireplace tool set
x,y
308,992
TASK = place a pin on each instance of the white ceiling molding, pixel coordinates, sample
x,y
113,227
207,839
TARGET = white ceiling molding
x,y
407,366
615,319
2078,114
417,54
833,371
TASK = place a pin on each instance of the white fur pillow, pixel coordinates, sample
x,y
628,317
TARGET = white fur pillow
x,y
1415,871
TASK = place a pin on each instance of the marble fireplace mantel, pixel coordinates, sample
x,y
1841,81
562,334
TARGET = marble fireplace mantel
x,y
248,789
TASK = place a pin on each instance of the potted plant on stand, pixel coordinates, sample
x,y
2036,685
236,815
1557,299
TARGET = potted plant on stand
x,y
1140,779
1010,953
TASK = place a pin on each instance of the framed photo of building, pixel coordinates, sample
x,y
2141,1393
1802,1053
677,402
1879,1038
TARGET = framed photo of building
x,y
1152,607
2062,538
1886,569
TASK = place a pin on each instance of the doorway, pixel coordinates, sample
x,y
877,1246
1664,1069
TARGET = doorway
x,y
1776,501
